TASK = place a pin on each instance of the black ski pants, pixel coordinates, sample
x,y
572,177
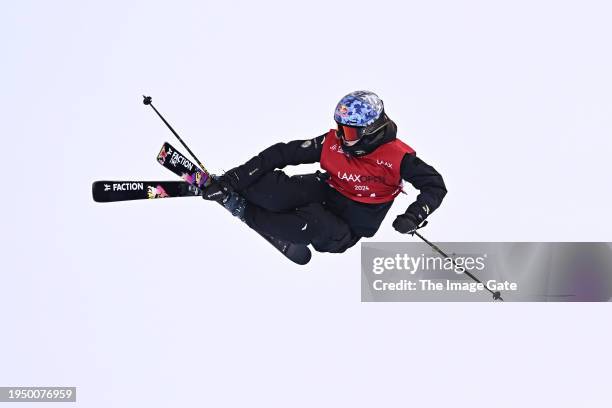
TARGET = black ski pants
x,y
294,209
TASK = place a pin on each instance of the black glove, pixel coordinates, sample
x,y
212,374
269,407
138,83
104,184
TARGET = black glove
x,y
405,223
217,190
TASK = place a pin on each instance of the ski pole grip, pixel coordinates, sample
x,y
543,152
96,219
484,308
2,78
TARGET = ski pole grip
x,y
147,100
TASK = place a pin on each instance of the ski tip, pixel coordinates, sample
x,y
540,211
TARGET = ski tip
x,y
94,194
300,254
98,189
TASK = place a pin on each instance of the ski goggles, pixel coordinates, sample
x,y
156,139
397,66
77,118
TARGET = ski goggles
x,y
350,133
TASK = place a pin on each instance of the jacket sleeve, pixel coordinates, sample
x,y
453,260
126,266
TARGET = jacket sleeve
x,y
429,183
275,157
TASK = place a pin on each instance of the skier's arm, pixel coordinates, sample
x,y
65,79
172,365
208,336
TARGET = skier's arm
x,y
429,183
275,157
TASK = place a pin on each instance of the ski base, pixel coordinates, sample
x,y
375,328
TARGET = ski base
x,y
112,191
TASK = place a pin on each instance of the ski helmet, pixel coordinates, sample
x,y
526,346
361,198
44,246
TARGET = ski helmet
x,y
361,121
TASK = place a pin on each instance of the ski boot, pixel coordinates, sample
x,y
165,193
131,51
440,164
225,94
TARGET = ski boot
x,y
225,195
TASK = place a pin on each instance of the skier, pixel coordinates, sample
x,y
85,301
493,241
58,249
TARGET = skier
x,y
365,164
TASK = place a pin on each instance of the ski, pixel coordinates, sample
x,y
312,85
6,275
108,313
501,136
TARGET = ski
x,y
112,191
177,163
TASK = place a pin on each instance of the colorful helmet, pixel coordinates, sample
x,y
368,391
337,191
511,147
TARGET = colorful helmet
x,y
361,121
359,108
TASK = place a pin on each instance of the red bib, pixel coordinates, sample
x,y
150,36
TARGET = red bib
x,y
373,178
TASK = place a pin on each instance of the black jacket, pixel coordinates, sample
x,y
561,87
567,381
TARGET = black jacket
x,y
364,219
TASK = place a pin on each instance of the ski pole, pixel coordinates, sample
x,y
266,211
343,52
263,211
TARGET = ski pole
x,y
496,295
148,101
